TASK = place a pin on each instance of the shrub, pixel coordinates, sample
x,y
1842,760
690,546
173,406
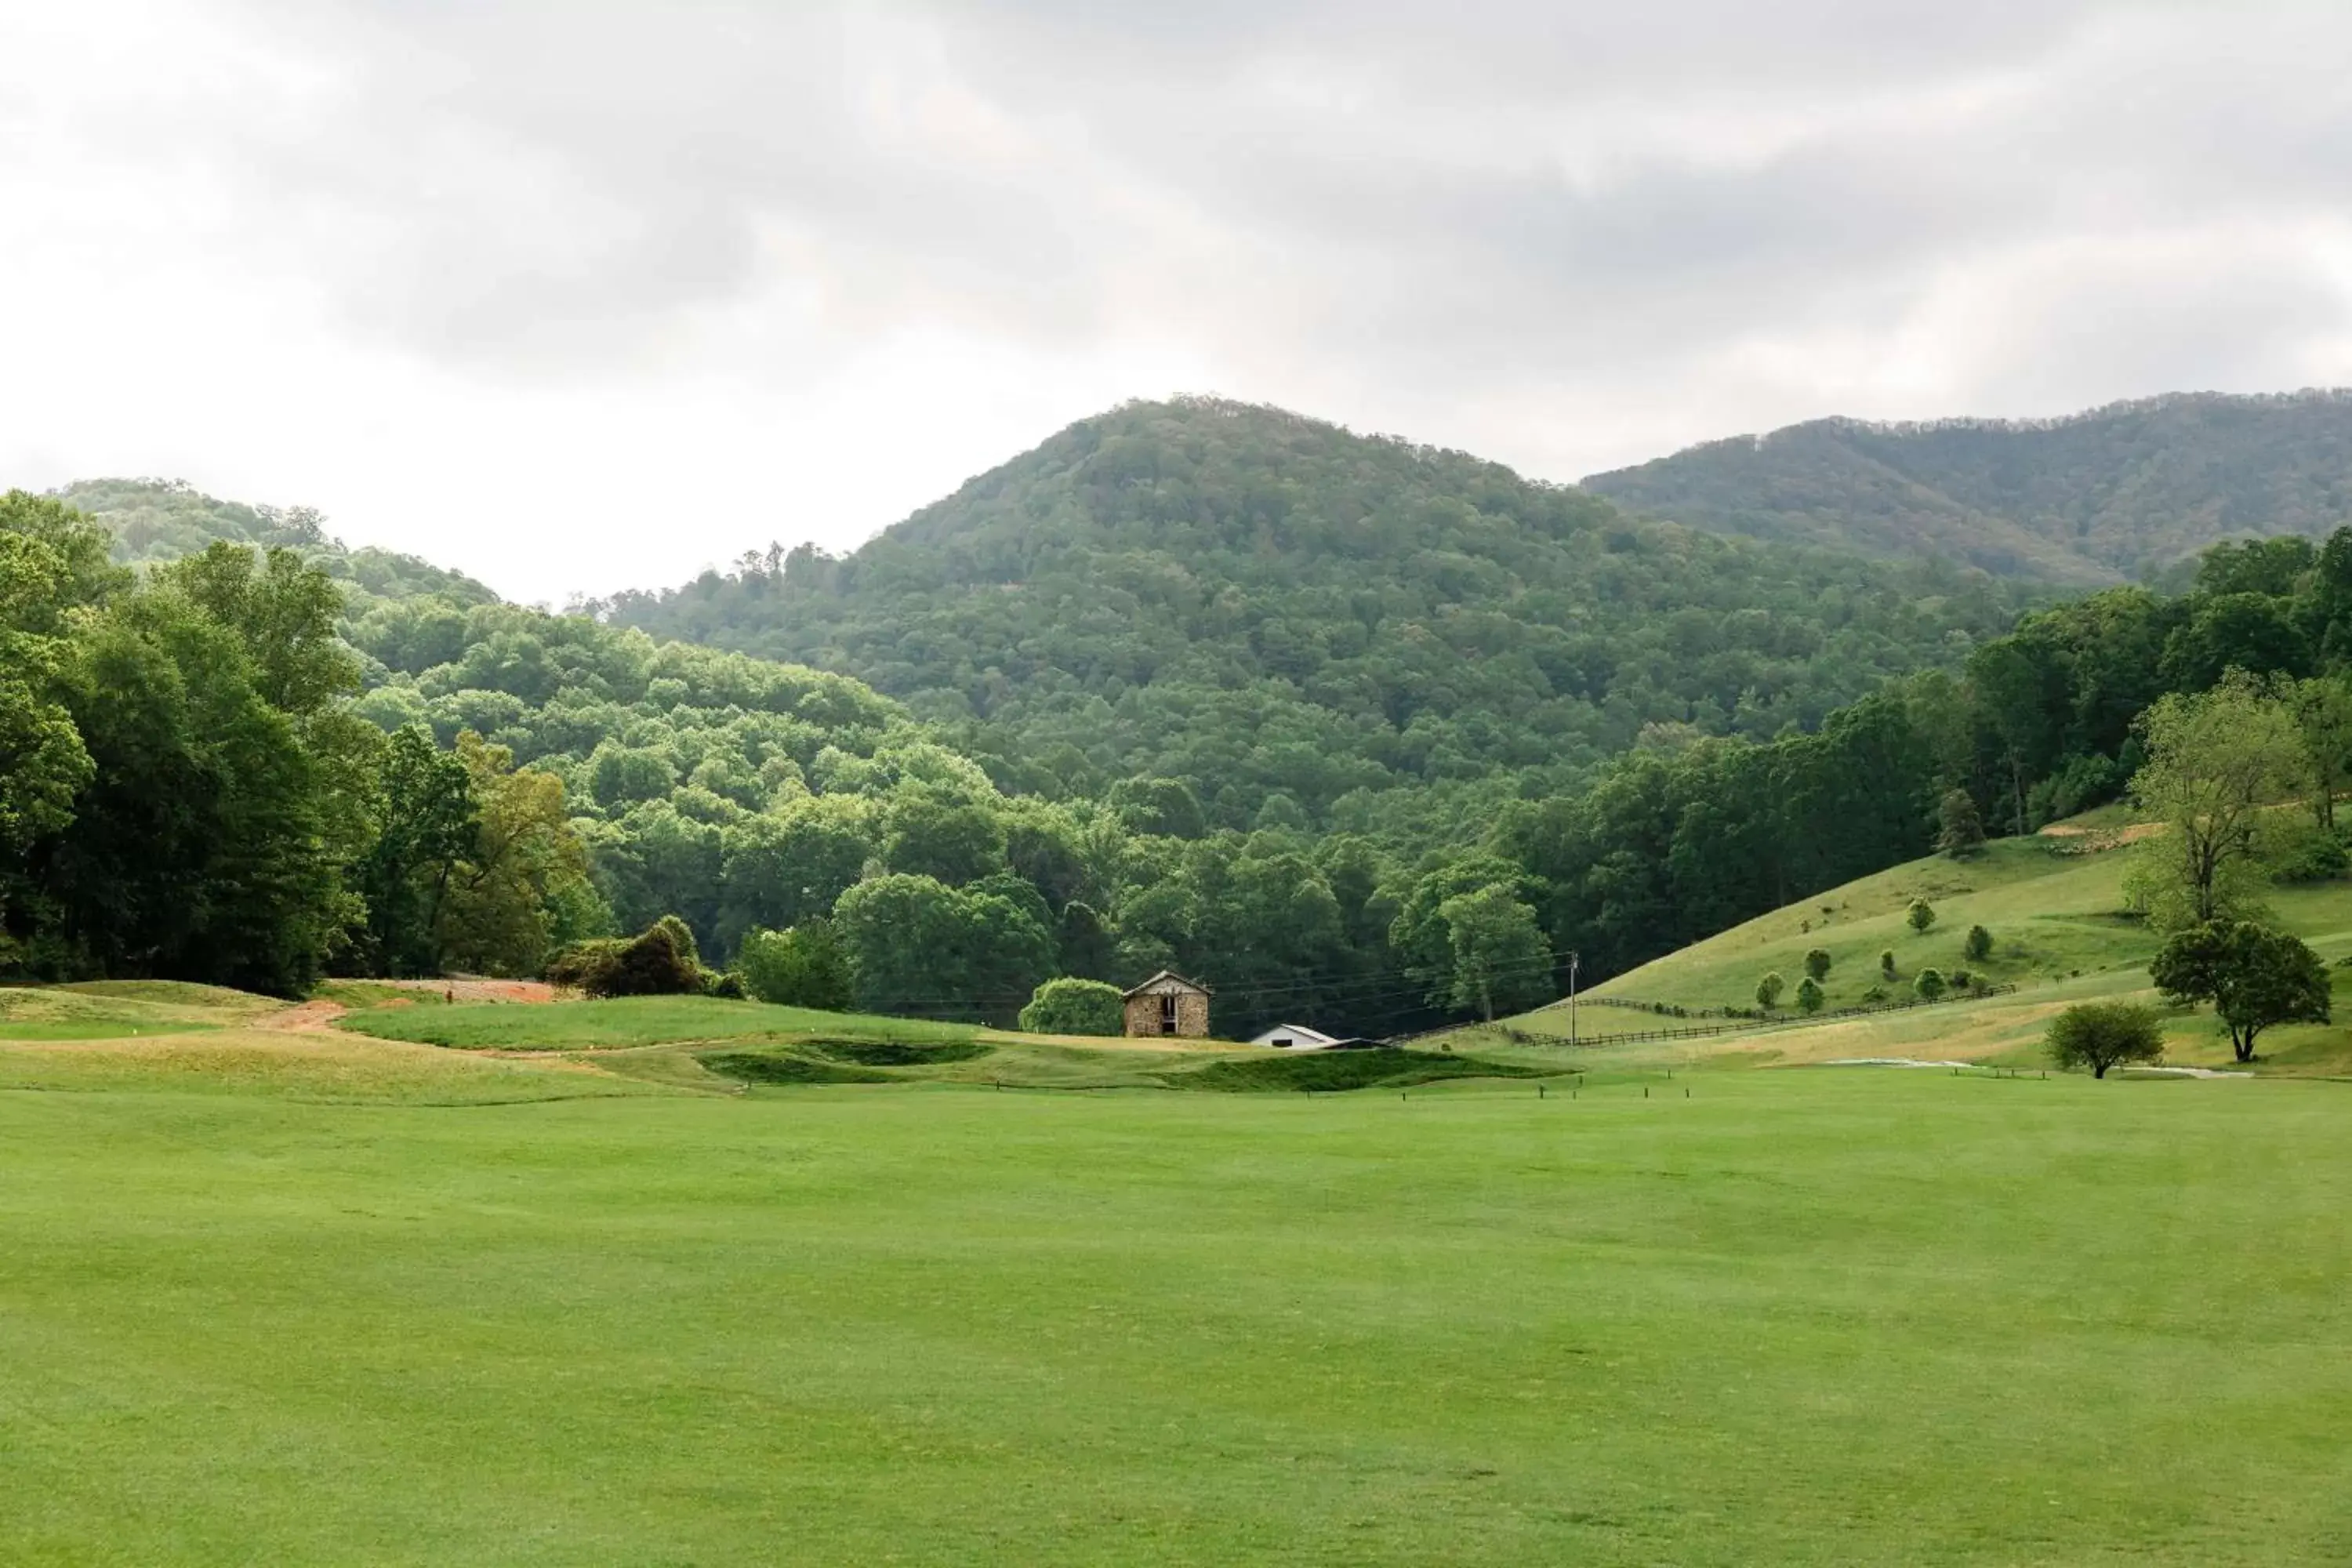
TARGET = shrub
x,y
1069,1006
803,967
1887,964
1961,980
2100,1034
1769,989
1922,914
652,964
1929,986
2312,855
570,967
1875,993
1809,997
1817,963
1979,945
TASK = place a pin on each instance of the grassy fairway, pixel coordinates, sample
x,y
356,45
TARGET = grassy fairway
x,y
1802,1317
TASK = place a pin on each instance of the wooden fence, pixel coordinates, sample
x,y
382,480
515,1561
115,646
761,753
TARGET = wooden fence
x,y
1734,1026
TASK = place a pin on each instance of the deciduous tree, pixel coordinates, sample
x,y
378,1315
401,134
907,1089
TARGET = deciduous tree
x,y
2104,1035
2254,976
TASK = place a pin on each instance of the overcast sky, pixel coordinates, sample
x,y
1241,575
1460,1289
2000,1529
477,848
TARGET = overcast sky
x,y
584,294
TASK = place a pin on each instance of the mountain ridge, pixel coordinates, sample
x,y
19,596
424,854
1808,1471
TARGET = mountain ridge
x,y
2082,499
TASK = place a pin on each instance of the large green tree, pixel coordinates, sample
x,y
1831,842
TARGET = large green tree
x,y
2215,760
2255,977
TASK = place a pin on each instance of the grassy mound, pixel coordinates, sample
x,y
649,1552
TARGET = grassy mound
x,y
626,1021
1333,1072
130,1009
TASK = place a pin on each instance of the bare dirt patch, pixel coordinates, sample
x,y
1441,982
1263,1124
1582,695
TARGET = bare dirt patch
x,y
477,990
303,1018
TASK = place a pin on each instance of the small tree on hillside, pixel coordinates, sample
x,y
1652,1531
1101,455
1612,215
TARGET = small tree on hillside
x,y
1979,945
1817,963
1810,995
1921,915
1929,986
1070,1006
1961,829
2101,1035
1769,989
2255,978
1887,964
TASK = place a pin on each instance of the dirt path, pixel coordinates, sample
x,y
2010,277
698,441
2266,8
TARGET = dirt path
x,y
304,1018
534,991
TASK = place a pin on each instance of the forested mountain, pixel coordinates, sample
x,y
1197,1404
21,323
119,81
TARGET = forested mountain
x,y
156,521
1362,734
1315,628
2096,498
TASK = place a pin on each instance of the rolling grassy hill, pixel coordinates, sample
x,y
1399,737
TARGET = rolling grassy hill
x,y
2092,499
2053,904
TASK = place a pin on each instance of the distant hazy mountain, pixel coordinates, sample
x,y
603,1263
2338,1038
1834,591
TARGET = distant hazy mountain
x,y
161,520
2091,498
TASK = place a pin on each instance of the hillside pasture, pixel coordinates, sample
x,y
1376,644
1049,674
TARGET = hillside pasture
x,y
2053,904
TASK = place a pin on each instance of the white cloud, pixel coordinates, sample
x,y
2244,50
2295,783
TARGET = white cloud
x,y
589,295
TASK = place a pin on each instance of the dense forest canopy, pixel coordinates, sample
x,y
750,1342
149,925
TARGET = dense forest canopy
x,y
2104,496
1366,736
1315,628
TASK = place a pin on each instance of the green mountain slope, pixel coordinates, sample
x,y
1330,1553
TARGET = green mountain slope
x,y
1298,619
2094,497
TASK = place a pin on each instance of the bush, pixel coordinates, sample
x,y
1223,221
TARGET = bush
x,y
2100,1034
1767,991
1817,963
1069,1006
1929,986
1887,964
1875,993
803,967
2314,855
655,963
570,967
1922,914
1809,997
1961,980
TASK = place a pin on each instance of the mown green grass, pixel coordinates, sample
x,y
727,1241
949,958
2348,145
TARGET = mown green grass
x,y
1801,1317
632,1021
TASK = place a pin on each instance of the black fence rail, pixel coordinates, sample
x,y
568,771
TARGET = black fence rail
x,y
1734,1023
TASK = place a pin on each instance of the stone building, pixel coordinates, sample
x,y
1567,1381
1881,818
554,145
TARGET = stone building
x,y
1168,1004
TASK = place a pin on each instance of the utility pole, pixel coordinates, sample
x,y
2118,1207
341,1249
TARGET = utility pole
x,y
1572,999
